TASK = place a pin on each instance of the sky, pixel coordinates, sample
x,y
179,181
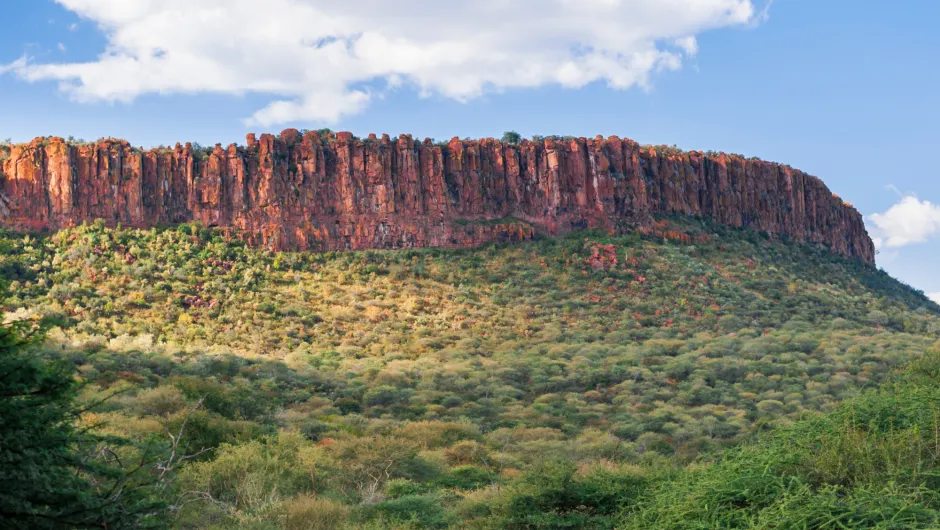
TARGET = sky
x,y
847,90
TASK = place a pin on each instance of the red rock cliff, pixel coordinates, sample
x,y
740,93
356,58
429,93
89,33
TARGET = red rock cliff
x,y
338,192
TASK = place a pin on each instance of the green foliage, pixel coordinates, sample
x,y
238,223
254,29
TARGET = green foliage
x,y
38,465
252,476
422,511
873,463
667,150
46,480
559,383
201,152
465,478
511,137
554,496
401,487
362,466
313,513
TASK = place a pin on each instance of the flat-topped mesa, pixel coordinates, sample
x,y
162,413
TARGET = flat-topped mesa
x,y
334,191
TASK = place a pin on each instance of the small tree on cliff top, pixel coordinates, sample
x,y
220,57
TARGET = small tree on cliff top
x,y
511,137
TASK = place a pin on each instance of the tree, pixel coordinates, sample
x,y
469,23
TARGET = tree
x,y
50,473
365,464
511,137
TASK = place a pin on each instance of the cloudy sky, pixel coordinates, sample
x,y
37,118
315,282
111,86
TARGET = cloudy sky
x,y
844,89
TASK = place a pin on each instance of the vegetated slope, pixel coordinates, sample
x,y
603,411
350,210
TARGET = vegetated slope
x,y
872,463
424,382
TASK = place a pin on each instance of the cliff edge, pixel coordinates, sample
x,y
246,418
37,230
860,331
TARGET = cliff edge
x,y
313,191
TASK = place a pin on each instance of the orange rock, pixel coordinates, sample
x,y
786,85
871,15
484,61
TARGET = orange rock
x,y
306,193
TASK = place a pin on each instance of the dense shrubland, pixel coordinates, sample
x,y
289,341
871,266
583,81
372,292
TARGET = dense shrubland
x,y
561,383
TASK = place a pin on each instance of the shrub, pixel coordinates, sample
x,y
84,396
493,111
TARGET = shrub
x,y
253,476
465,478
307,512
554,495
161,401
425,511
401,487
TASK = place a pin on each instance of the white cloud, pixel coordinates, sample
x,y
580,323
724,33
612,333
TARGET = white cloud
x,y
909,221
689,44
61,47
764,14
16,66
934,296
314,57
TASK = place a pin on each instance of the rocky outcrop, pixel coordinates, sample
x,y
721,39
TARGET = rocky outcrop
x,y
332,192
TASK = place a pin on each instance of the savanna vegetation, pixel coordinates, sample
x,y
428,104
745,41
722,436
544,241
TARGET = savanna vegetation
x,y
694,377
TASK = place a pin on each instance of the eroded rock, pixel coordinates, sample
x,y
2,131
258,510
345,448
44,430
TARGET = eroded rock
x,y
335,192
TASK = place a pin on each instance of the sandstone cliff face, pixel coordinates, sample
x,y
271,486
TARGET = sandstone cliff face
x,y
313,192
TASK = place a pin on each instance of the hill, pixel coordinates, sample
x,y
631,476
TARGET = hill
x,y
472,387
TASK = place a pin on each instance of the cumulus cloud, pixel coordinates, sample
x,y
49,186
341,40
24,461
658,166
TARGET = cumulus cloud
x,y
908,221
323,59
934,296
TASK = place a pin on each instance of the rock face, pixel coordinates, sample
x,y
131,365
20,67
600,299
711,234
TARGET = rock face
x,y
333,192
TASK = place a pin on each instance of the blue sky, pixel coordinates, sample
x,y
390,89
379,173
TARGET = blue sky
x,y
845,90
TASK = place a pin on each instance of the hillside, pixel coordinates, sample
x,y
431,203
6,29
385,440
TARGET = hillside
x,y
435,386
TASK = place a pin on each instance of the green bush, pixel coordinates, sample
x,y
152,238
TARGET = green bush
x,y
465,478
554,496
424,511
873,463
511,137
403,487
